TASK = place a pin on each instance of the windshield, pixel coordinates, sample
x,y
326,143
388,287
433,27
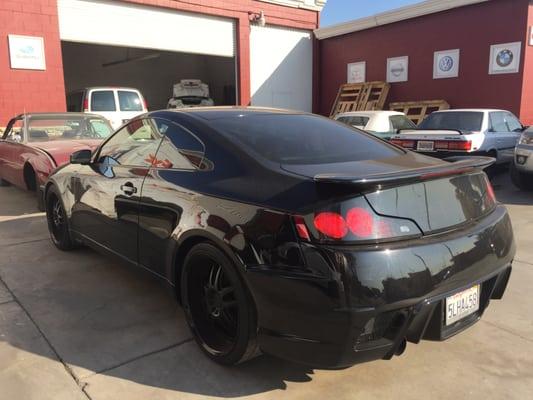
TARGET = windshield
x,y
48,128
464,121
303,139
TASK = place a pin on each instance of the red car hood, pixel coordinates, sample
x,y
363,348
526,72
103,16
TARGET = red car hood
x,y
60,150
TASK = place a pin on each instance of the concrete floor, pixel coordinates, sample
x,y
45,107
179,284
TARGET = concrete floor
x,y
77,325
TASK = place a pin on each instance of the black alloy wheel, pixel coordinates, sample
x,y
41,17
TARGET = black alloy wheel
x,y
57,221
217,305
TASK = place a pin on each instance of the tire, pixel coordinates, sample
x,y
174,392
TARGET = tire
x,y
57,221
218,306
4,183
521,180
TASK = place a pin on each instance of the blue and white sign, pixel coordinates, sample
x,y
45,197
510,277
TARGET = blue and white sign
x,y
446,64
505,58
26,52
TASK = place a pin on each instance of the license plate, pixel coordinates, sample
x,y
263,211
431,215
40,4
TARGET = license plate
x,y
462,304
425,145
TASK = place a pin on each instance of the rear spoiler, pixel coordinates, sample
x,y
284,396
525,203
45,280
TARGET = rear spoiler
x,y
413,130
458,165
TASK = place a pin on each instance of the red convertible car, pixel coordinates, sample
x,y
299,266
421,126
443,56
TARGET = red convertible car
x,y
33,145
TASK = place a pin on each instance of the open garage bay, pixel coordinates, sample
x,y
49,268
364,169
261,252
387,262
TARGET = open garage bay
x,y
79,325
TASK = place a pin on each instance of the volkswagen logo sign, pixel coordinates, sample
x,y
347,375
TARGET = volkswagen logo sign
x,y
446,64
504,58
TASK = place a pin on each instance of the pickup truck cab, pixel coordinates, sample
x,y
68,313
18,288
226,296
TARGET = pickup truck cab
x,y
446,133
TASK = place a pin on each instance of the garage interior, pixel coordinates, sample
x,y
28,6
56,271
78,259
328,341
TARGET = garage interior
x,y
153,72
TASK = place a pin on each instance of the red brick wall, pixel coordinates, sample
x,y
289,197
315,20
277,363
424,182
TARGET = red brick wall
x,y
471,28
24,89
526,107
44,90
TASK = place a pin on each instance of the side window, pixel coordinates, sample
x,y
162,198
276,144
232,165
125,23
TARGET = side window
x,y
16,132
103,100
134,145
355,121
180,149
497,122
513,123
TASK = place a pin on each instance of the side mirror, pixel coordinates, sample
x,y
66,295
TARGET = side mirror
x,y
81,157
525,128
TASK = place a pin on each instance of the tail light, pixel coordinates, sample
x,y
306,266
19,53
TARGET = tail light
x,y
352,221
85,104
408,144
490,191
465,145
145,104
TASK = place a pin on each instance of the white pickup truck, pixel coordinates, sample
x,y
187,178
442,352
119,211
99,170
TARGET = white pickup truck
x,y
464,131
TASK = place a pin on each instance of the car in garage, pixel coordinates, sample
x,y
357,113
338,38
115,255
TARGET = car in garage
x,y
34,144
117,104
522,166
190,93
460,132
288,233
383,124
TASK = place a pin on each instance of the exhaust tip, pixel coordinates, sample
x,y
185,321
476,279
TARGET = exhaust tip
x,y
401,347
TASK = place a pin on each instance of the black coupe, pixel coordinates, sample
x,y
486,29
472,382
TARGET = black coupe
x,y
288,233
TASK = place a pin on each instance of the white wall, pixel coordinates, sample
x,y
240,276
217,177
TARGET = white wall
x,y
281,68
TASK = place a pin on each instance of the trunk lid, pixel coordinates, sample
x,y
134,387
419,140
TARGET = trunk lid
x,y
435,194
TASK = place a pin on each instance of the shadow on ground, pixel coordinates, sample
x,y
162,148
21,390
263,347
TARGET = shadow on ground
x,y
105,318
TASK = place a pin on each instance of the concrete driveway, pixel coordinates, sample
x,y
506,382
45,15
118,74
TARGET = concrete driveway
x,y
78,325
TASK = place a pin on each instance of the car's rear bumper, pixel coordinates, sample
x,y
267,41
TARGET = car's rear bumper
x,y
354,305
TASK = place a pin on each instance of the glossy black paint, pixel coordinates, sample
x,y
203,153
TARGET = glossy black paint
x,y
325,304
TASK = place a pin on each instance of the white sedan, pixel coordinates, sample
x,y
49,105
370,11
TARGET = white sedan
x,y
383,124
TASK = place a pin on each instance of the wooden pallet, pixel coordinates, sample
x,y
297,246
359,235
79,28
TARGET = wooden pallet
x,y
360,97
416,111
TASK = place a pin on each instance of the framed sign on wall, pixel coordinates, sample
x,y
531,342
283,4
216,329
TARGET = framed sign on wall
x,y
357,72
26,52
505,58
446,64
398,69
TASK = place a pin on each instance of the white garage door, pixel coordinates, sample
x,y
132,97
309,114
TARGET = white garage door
x,y
281,68
120,24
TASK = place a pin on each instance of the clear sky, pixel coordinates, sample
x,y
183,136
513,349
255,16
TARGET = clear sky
x,y
337,11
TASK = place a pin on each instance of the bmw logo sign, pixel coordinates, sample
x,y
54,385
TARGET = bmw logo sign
x,y
446,64
504,58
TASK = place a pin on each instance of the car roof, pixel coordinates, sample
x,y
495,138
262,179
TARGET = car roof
x,y
107,88
471,110
213,113
59,114
369,113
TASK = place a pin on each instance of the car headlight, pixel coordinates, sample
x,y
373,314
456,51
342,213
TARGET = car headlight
x,y
526,138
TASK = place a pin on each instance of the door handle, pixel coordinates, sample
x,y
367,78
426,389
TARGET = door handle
x,y
128,188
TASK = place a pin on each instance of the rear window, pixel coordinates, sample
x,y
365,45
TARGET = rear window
x,y
303,139
355,121
464,121
401,122
103,100
129,101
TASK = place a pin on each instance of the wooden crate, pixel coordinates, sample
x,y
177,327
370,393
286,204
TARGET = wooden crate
x,y
360,96
416,111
